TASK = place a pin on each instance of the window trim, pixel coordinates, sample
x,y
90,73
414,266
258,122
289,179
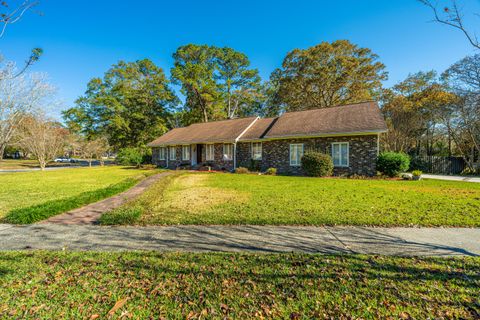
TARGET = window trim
x,y
210,145
348,154
172,155
185,147
228,145
290,154
161,153
253,151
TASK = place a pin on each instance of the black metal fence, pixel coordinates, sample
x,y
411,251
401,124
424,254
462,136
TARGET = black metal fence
x,y
438,165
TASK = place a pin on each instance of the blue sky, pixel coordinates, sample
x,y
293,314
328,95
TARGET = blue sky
x,y
81,39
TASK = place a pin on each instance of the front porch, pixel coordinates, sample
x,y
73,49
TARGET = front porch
x,y
217,156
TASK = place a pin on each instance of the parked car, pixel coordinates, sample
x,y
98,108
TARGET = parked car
x,y
65,160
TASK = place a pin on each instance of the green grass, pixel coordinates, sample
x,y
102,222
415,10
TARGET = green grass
x,y
10,164
277,200
33,196
65,285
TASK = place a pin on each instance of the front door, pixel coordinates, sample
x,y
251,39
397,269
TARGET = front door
x,y
199,153
194,154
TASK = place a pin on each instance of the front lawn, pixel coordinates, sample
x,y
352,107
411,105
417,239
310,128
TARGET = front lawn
x,y
145,285
198,198
13,164
32,196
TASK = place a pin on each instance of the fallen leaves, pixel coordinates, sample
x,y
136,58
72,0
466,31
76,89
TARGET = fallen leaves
x,y
243,286
117,306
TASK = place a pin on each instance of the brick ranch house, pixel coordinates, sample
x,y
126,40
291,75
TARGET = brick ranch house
x,y
349,133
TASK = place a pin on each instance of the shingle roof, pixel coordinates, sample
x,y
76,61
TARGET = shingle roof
x,y
216,131
258,129
354,118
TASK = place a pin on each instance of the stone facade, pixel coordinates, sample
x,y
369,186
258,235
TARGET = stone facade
x,y
276,154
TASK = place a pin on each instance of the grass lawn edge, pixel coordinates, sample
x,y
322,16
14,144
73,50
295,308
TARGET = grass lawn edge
x,y
52,208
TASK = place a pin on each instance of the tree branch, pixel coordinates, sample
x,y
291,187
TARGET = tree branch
x,y
14,16
453,19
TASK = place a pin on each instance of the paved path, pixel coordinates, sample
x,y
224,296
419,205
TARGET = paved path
x,y
90,214
451,178
384,241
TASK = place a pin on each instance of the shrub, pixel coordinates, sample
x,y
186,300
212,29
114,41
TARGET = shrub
x,y
241,170
416,173
146,155
470,172
317,164
130,157
271,171
393,163
254,165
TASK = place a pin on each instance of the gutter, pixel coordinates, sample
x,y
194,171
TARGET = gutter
x,y
323,135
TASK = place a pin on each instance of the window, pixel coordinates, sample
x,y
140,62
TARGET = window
x,y
296,154
209,152
340,154
256,150
185,152
161,153
172,153
227,151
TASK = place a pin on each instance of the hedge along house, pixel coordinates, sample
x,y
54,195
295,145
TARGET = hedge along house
x,y
349,133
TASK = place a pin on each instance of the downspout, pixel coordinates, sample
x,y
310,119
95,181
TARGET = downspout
x,y
378,144
236,140
167,154
235,155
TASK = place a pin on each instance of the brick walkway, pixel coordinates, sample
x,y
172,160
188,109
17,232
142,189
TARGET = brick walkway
x,y
90,214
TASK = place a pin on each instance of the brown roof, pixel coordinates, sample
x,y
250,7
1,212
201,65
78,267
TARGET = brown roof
x,y
353,118
348,119
216,131
258,129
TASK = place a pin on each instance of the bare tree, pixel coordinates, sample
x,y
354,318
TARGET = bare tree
x,y
453,17
41,137
19,96
463,117
93,149
10,16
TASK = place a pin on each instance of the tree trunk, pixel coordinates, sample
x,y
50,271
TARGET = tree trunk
x,y
449,142
2,150
42,164
205,115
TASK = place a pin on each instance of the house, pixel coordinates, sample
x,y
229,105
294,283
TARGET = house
x,y
349,133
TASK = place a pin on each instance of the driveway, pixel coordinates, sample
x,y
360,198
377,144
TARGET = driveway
x,y
262,239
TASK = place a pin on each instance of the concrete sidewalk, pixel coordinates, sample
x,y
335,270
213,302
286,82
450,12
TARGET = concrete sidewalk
x,y
263,239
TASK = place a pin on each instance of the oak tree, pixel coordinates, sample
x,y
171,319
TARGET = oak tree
x,y
130,105
328,74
